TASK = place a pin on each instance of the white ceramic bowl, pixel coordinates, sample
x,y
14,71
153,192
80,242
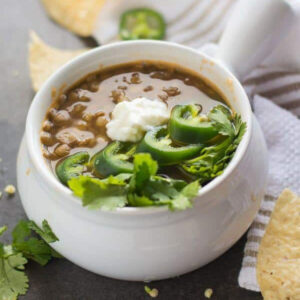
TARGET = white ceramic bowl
x,y
145,243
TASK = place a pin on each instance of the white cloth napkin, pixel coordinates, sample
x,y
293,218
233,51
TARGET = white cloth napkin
x,y
197,22
190,22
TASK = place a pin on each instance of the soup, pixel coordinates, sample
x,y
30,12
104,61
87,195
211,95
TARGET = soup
x,y
77,119
140,134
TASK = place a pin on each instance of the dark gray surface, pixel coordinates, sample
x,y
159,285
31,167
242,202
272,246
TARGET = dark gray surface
x,y
61,279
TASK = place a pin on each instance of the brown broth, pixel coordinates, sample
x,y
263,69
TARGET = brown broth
x,y
76,120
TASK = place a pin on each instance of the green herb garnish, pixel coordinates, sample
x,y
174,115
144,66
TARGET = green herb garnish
x,y
214,159
148,189
142,188
131,169
105,194
13,257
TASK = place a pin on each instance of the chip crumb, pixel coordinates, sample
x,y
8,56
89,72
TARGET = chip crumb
x,y
28,171
0,194
10,189
208,293
151,292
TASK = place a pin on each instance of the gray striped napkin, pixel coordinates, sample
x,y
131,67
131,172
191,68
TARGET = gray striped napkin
x,y
282,132
273,88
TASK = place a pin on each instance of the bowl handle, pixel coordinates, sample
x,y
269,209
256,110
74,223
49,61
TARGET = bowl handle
x,y
252,32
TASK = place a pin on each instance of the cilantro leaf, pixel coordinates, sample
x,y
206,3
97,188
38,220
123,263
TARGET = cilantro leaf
x,y
240,128
139,201
21,231
142,188
35,249
45,233
3,229
221,119
106,194
13,280
166,193
187,193
210,164
144,168
148,189
32,247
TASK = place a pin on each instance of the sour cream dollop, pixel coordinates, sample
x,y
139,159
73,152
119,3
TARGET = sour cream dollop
x,y
131,119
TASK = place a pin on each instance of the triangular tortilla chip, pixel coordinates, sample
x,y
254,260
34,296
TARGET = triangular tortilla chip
x,y
44,60
278,260
78,16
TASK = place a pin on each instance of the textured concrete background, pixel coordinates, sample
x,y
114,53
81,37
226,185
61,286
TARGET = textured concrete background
x,y
62,279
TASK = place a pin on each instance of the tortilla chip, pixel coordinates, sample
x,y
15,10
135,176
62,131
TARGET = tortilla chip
x,y
278,260
79,16
44,60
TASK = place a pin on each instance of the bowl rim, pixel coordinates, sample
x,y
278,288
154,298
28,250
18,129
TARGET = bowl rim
x,y
39,162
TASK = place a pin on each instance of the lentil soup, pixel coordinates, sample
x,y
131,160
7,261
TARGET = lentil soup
x,y
77,119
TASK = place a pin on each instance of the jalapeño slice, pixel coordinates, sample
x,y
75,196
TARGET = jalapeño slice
x,y
159,145
114,159
142,23
72,166
187,126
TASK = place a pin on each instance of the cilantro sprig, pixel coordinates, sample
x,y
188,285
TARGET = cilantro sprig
x,y
149,189
142,188
214,159
13,257
106,194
